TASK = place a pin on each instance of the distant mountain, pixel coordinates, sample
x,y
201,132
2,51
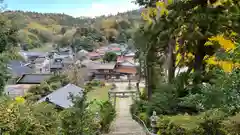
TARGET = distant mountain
x,y
37,29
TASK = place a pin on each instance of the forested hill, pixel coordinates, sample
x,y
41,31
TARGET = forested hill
x,y
37,29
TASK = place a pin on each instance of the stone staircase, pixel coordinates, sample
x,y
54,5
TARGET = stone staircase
x,y
124,124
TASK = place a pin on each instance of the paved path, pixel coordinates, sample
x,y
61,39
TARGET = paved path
x,y
124,124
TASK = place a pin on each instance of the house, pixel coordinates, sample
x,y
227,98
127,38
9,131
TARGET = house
x,y
38,64
126,68
16,90
31,56
56,65
102,70
94,55
17,69
33,78
62,97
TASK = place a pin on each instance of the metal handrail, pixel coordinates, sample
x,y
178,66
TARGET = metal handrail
x,y
141,122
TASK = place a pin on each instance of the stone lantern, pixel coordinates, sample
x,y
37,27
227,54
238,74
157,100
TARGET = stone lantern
x,y
154,118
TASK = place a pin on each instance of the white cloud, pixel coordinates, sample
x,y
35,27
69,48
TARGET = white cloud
x,y
98,9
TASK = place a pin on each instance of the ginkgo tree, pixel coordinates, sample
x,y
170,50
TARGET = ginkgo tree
x,y
183,29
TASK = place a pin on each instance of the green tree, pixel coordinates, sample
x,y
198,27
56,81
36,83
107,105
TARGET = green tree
x,y
19,117
110,56
8,33
78,120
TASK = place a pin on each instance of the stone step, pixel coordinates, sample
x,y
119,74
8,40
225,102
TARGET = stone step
x,y
127,133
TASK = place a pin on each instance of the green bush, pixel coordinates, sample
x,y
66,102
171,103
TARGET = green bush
x,y
95,83
164,100
102,83
212,122
108,114
166,127
143,95
139,106
145,118
222,92
55,85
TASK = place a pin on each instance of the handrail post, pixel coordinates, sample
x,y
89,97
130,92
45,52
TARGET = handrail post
x,y
115,96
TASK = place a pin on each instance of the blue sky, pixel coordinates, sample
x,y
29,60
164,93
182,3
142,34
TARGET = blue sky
x,y
75,8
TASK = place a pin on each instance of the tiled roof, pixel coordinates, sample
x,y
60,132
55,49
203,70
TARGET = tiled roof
x,y
17,68
93,54
129,70
115,49
29,54
101,65
61,98
126,63
33,78
15,63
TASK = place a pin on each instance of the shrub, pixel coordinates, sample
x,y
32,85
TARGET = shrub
x,y
222,93
166,127
143,95
138,107
95,83
232,125
164,100
102,83
108,114
55,85
144,117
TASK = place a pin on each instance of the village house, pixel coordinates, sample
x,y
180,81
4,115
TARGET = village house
x,y
16,90
94,55
31,56
35,78
102,70
62,96
16,69
24,83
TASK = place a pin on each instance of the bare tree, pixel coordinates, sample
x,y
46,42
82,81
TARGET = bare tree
x,y
77,75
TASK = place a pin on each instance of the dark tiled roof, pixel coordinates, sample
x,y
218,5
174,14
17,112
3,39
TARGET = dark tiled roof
x,y
15,63
61,97
38,54
33,78
17,68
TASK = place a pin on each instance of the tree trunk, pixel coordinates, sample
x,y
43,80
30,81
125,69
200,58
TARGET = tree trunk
x,y
199,61
150,73
139,77
171,60
146,74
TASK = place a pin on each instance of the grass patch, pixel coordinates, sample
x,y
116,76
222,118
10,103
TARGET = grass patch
x,y
185,121
99,93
